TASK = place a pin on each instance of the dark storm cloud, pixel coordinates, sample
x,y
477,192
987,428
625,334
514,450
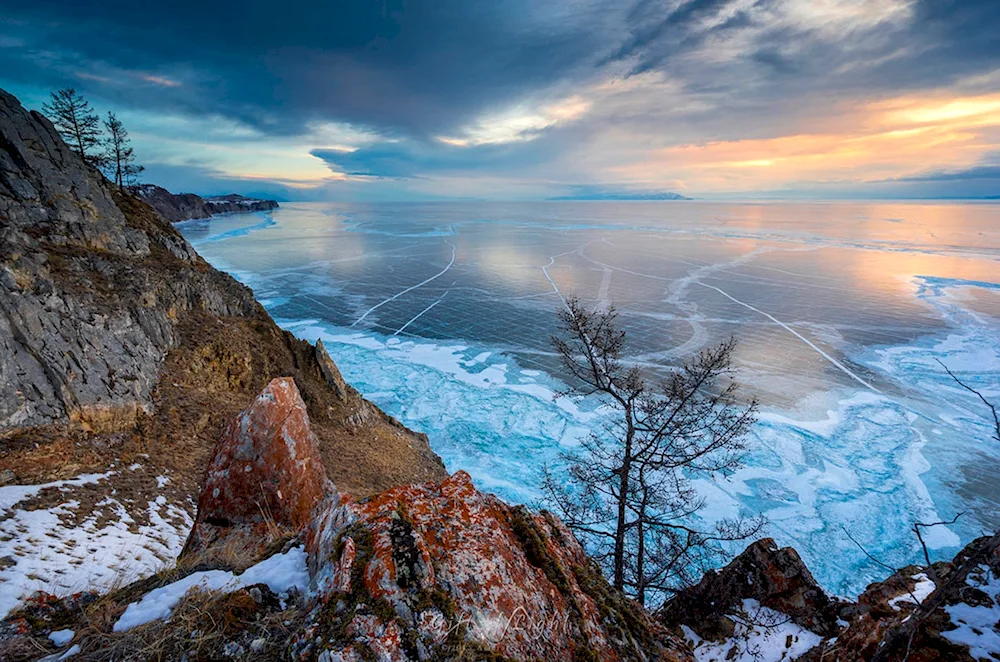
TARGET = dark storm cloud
x,y
424,68
657,33
409,158
939,41
413,67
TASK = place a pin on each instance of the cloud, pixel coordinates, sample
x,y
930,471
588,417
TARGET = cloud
x,y
418,68
694,95
989,172
409,159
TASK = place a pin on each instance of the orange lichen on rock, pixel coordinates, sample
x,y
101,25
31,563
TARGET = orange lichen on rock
x,y
446,560
266,476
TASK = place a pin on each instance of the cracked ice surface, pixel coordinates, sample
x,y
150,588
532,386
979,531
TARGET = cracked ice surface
x,y
441,314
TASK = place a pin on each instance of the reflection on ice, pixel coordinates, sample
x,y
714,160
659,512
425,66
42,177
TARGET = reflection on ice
x,y
441,313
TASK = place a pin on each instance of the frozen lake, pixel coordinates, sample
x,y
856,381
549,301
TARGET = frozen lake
x,y
441,313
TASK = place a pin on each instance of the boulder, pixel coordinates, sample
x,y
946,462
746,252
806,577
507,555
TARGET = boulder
x,y
265,479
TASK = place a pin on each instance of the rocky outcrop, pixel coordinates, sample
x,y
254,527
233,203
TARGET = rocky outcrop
x,y
265,479
89,295
775,578
420,572
950,611
176,207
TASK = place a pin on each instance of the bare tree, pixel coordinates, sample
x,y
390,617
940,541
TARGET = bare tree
x,y
119,157
76,122
630,495
982,398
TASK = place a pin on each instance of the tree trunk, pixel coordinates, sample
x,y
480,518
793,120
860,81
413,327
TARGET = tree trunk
x,y
640,524
640,583
623,486
79,136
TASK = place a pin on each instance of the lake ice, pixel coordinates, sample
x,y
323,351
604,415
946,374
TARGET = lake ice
x,y
441,314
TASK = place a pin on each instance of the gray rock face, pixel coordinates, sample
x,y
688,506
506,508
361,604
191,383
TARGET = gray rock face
x,y
176,207
92,284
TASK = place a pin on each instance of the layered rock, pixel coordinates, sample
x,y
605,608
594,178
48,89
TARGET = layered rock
x,y
90,294
176,207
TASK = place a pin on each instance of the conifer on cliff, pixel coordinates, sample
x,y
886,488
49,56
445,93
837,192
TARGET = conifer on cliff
x,y
77,123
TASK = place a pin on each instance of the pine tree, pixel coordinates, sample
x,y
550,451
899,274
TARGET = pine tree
x,y
77,122
119,158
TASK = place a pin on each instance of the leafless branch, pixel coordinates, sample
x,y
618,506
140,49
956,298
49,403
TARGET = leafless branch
x,y
992,407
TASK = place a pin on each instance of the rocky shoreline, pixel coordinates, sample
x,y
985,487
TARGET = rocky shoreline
x,y
177,207
182,479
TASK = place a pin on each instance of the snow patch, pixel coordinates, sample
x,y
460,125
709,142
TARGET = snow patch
x,y
977,624
761,635
62,559
280,572
11,495
923,587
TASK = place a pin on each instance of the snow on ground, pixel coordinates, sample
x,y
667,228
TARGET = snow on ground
x,y
977,624
51,549
11,495
58,657
923,587
761,635
280,572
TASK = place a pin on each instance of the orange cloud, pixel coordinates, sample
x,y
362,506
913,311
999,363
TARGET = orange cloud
x,y
889,139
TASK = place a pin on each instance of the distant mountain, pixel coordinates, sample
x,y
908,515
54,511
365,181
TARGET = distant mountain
x,y
176,207
622,195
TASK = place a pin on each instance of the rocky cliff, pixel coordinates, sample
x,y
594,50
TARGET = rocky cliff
x,y
176,207
123,355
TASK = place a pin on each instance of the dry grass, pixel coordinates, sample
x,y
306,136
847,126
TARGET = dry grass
x,y
201,625
205,625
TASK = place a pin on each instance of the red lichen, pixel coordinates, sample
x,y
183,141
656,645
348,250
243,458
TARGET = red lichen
x,y
266,476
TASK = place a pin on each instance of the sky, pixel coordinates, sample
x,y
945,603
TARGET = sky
x,y
527,100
